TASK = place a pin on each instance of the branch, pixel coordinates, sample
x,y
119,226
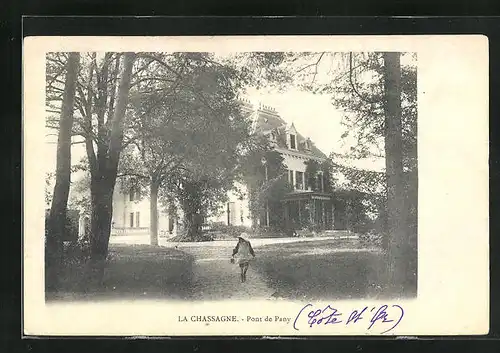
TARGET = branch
x,y
163,173
367,100
112,95
85,104
57,73
128,141
316,67
154,78
179,76
144,67
310,65
125,174
116,136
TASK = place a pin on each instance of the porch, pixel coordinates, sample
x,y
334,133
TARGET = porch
x,y
308,210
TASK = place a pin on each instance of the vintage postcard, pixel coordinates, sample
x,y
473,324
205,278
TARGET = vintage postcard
x,y
256,186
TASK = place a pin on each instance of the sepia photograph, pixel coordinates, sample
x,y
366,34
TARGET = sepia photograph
x,y
197,176
261,188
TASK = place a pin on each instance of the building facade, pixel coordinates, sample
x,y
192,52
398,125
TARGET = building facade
x,y
308,205
131,214
304,207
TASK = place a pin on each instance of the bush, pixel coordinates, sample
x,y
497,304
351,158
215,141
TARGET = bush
x,y
71,225
72,220
76,252
371,238
230,230
182,237
271,232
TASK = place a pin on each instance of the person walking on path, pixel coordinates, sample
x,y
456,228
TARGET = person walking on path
x,y
244,252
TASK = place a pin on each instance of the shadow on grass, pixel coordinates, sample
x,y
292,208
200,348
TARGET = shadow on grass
x,y
132,272
324,269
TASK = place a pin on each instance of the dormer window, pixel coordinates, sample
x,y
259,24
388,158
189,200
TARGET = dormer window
x,y
293,142
291,135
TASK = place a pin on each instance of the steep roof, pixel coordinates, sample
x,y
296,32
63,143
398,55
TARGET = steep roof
x,y
268,121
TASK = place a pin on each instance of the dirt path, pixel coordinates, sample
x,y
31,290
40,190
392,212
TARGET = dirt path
x,y
215,278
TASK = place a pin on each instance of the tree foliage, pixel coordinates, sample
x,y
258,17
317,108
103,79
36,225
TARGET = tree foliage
x,y
264,175
319,174
189,133
355,83
179,121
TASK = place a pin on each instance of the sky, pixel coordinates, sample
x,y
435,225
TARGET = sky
x,y
315,117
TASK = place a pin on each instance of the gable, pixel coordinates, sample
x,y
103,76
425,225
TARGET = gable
x,y
290,129
268,122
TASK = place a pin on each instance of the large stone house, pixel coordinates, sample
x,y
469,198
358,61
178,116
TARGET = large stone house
x,y
131,213
302,205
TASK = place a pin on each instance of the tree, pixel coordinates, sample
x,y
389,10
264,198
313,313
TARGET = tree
x,y
319,173
57,216
100,102
182,121
103,163
397,240
157,144
49,189
263,173
210,171
398,130
102,93
79,195
378,97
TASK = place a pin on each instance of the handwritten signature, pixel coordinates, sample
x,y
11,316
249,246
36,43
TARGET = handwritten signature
x,y
375,317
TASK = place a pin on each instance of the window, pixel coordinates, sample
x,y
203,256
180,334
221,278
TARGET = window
x,y
137,220
131,219
292,142
290,178
320,182
231,213
134,193
299,182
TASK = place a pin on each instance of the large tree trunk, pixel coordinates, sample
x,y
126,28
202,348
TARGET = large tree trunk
x,y
100,225
396,242
252,202
57,216
102,211
193,224
104,171
153,208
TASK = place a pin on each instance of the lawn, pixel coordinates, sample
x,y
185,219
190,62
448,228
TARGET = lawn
x,y
322,269
133,271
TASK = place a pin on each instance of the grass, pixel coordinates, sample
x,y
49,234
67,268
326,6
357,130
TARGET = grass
x,y
321,270
134,271
305,270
